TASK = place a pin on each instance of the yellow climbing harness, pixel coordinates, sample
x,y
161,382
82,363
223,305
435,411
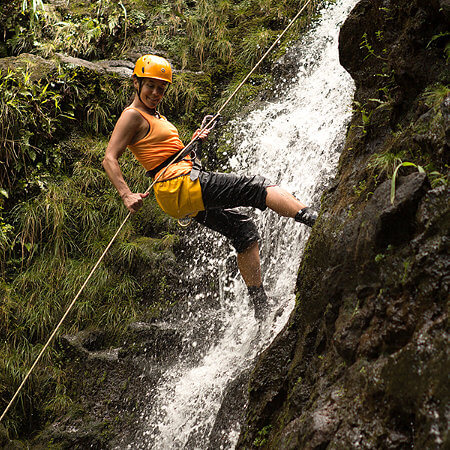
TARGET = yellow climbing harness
x,y
179,197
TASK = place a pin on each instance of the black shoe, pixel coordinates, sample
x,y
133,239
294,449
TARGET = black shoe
x,y
307,216
260,301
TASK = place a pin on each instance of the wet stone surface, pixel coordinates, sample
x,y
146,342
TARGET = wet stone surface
x,y
363,361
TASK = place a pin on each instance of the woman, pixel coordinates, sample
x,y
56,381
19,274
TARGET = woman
x,y
211,197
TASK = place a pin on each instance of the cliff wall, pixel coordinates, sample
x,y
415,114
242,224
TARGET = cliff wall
x,y
363,360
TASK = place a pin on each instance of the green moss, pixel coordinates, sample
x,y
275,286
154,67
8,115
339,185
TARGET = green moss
x,y
262,436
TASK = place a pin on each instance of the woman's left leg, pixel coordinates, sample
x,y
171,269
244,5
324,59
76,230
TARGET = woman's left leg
x,y
244,236
249,265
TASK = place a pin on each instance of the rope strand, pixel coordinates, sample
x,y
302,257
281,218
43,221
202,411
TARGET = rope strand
x,y
69,308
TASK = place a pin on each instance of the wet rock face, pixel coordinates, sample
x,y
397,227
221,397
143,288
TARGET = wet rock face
x,y
231,412
112,384
363,361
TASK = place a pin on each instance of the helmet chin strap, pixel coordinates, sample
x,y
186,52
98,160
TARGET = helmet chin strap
x,y
140,81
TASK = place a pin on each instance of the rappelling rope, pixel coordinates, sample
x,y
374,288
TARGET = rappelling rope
x,y
205,127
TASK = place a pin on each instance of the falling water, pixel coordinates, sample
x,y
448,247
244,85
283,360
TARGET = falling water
x,y
294,141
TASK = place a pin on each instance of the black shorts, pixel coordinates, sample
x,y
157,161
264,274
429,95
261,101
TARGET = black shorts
x,y
227,190
220,193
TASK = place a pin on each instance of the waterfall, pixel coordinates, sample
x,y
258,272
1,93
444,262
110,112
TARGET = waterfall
x,y
294,140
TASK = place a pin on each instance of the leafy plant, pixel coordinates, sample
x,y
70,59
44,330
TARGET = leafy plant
x,y
262,436
33,5
394,176
365,44
436,94
386,162
30,113
439,36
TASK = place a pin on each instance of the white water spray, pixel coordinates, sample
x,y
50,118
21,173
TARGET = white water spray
x,y
294,142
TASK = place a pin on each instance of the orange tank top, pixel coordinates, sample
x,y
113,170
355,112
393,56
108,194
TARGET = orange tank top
x,y
161,141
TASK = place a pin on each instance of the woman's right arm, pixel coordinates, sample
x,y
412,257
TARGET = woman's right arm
x,y
124,134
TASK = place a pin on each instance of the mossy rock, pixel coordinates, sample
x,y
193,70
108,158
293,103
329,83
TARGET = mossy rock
x,y
36,66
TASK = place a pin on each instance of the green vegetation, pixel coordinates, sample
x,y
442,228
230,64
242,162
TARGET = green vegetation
x,y
394,176
37,113
368,47
53,241
261,438
412,142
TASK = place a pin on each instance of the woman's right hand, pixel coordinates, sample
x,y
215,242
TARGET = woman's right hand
x,y
134,201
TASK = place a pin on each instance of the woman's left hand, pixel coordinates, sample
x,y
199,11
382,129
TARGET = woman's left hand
x,y
200,134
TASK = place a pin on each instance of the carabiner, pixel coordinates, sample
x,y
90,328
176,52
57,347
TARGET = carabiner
x,y
185,221
208,119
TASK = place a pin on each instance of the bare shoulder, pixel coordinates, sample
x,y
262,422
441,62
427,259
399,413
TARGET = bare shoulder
x,y
130,124
125,132
131,116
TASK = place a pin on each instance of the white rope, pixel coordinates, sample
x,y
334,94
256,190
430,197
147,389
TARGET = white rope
x,y
129,214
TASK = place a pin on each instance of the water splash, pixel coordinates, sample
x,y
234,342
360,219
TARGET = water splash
x,y
294,141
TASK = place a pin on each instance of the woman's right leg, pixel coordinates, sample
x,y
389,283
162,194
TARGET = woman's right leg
x,y
282,202
244,236
249,265
221,190
285,204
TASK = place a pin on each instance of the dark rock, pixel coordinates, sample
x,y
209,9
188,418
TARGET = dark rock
x,y
122,68
72,347
363,19
39,67
231,412
83,343
109,383
77,437
363,360
154,340
316,431
392,223
444,7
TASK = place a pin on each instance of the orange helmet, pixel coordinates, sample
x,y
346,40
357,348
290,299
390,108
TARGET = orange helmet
x,y
152,66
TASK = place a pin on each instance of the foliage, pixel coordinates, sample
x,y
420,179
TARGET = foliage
x,y
100,29
35,113
57,236
220,37
263,434
442,37
30,113
386,162
435,95
394,176
366,45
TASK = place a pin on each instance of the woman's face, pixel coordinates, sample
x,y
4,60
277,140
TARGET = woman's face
x,y
152,91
